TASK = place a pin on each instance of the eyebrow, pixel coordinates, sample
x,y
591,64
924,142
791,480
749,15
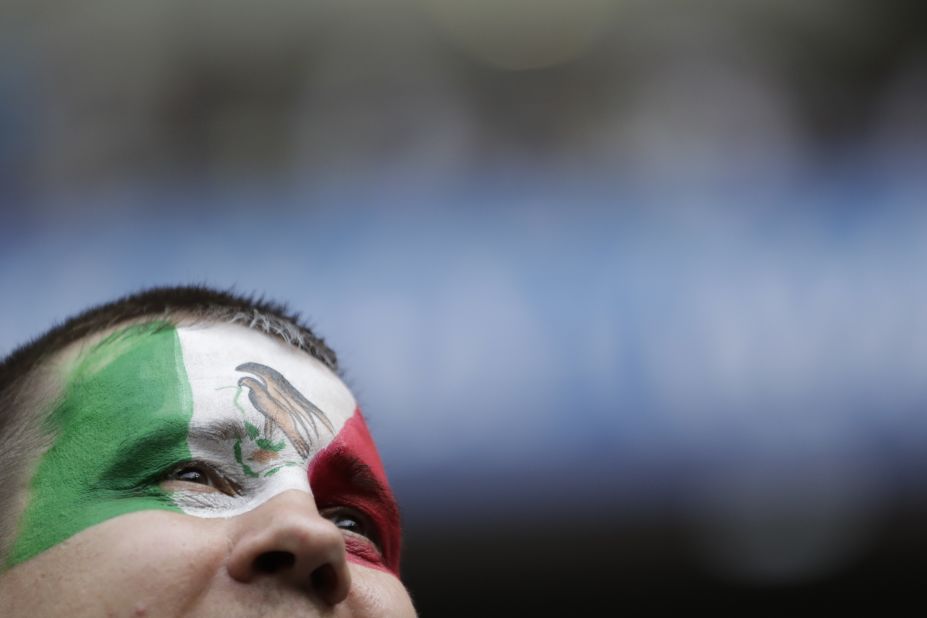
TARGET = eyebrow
x,y
361,477
218,430
144,454
358,475
139,456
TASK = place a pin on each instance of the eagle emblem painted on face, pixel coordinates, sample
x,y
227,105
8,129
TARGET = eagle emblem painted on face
x,y
282,405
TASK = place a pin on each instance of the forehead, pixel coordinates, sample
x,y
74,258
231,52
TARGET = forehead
x,y
217,356
203,357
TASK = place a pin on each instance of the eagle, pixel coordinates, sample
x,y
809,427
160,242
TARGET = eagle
x,y
283,406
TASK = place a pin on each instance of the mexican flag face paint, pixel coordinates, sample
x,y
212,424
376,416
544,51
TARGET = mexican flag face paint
x,y
152,404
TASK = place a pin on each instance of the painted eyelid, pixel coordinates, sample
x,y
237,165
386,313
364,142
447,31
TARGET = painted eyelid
x,y
375,534
357,513
233,486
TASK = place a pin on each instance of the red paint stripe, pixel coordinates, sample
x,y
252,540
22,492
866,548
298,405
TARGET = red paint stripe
x,y
349,472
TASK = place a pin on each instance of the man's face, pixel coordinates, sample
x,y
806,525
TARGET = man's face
x,y
205,470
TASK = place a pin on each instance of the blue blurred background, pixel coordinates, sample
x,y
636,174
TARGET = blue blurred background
x,y
632,291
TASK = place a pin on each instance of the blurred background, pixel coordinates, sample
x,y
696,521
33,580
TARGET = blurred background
x,y
631,290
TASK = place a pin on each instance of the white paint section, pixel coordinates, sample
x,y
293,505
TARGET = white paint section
x,y
233,436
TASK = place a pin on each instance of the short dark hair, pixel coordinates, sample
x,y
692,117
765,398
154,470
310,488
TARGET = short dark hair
x,y
20,430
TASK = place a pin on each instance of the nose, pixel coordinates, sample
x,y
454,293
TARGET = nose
x,y
287,539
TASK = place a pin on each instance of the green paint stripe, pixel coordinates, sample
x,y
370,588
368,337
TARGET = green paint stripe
x,y
122,421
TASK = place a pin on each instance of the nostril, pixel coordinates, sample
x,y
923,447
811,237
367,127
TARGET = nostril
x,y
273,561
324,578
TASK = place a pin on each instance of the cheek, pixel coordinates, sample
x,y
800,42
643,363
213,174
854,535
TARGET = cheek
x,y
119,566
378,593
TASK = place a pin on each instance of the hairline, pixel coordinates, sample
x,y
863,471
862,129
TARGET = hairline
x,y
57,363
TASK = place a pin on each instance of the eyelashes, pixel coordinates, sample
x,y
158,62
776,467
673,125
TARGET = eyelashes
x,y
207,491
198,476
353,522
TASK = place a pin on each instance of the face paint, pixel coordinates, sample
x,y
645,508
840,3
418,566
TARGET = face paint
x,y
123,418
349,472
150,399
261,409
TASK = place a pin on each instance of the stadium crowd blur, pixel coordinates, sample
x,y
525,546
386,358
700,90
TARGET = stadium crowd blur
x,y
633,289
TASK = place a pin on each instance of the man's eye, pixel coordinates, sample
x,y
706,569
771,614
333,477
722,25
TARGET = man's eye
x,y
353,521
197,476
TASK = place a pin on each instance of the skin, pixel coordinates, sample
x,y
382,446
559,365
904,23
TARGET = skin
x,y
271,547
